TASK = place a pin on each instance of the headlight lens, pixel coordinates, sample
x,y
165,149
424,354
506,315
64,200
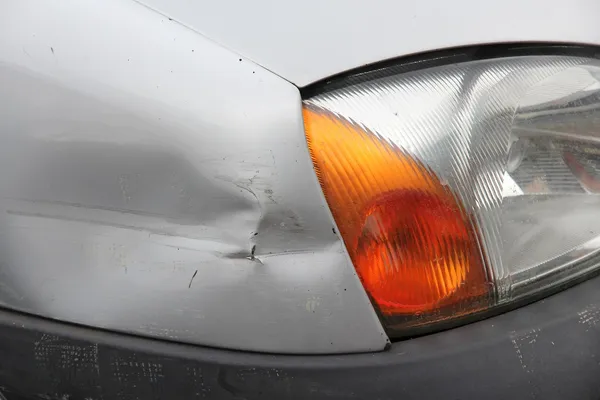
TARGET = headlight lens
x,y
460,188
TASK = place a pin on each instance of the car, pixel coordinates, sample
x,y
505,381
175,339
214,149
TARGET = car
x,y
274,200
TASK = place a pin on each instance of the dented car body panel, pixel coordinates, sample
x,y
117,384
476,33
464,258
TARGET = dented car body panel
x,y
156,183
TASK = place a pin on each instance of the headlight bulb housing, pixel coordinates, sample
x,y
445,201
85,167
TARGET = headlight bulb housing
x,y
461,188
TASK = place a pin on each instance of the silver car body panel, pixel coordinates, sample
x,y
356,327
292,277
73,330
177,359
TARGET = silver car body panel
x,y
155,183
310,40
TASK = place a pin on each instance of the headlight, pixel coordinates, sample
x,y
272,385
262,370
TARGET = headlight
x,y
461,188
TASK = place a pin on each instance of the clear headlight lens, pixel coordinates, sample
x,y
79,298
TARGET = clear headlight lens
x,y
460,188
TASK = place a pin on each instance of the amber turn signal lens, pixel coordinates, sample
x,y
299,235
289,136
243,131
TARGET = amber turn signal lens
x,y
413,245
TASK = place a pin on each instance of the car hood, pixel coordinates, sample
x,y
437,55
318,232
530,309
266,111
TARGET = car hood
x,y
306,41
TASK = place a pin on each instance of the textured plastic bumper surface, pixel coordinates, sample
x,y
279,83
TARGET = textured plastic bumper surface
x,y
549,349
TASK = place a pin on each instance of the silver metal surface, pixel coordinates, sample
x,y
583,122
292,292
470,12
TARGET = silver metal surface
x,y
314,39
153,182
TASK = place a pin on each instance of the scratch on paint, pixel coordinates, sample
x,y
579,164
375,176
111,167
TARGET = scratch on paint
x,y
132,370
521,342
312,303
589,316
519,354
52,352
196,378
193,276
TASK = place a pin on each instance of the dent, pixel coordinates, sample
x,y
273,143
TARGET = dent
x,y
140,179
